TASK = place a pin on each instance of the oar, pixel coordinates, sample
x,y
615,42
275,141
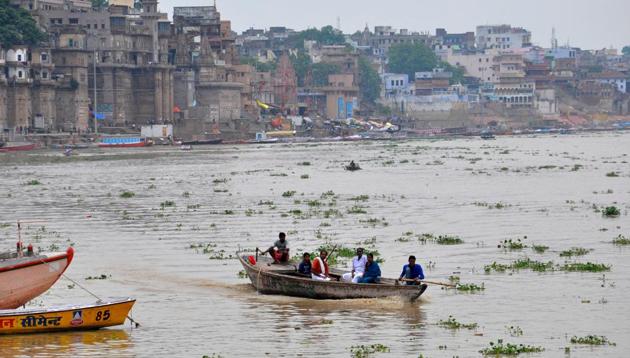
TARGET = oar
x,y
331,252
430,282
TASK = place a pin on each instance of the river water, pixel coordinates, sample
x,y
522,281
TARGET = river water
x,y
169,245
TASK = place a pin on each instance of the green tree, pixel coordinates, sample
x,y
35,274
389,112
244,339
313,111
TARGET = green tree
x,y
321,71
301,64
411,58
101,4
626,50
369,82
259,66
327,35
457,71
17,27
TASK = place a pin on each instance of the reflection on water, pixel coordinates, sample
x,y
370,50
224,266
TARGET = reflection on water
x,y
105,342
169,245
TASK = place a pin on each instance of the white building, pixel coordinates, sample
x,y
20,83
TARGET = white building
x,y
613,78
395,83
503,37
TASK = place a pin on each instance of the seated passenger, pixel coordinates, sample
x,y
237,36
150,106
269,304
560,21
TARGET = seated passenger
x,y
357,269
279,251
372,272
305,265
412,273
319,270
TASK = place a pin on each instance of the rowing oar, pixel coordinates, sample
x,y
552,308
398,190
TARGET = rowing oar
x,y
430,282
331,252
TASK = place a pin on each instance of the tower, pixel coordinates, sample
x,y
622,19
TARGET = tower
x,y
151,16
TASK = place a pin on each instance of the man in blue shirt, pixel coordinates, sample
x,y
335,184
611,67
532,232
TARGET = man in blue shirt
x,y
305,265
412,272
372,272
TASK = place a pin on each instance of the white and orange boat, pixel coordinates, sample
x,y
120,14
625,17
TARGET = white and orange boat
x,y
24,276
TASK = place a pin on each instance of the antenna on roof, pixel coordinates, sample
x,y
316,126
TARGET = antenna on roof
x,y
339,23
554,40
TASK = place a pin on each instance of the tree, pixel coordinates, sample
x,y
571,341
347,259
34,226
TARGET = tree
x,y
17,27
321,71
457,71
259,66
326,36
411,58
301,64
101,4
626,50
369,81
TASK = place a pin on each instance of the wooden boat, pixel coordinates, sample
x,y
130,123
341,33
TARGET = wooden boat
x,y
24,277
284,279
487,135
64,318
17,147
123,142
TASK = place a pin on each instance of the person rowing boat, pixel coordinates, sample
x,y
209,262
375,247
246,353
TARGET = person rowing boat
x,y
412,272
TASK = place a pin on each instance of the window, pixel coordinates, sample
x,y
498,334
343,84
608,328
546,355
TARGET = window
x,y
44,57
70,43
44,75
74,21
102,26
20,74
88,26
19,58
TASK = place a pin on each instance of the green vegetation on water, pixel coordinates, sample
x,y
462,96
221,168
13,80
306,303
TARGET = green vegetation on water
x,y
33,182
510,244
167,204
592,340
448,240
364,351
585,267
575,251
540,248
357,210
288,193
452,323
469,287
611,211
127,194
621,240
509,349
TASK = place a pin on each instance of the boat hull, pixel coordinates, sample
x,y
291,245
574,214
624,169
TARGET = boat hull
x,y
22,279
286,282
67,318
17,148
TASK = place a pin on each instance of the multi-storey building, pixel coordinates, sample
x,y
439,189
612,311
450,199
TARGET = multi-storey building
x,y
502,37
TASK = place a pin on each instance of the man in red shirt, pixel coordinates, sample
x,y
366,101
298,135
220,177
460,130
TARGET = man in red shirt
x,y
319,270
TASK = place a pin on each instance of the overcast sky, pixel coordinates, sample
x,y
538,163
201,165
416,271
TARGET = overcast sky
x,y
590,24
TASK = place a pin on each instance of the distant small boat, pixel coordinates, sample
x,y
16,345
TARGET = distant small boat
x,y
487,135
352,167
17,147
66,318
24,277
284,279
203,142
123,142
185,147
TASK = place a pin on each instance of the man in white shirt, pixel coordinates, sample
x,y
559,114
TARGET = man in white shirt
x,y
358,268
